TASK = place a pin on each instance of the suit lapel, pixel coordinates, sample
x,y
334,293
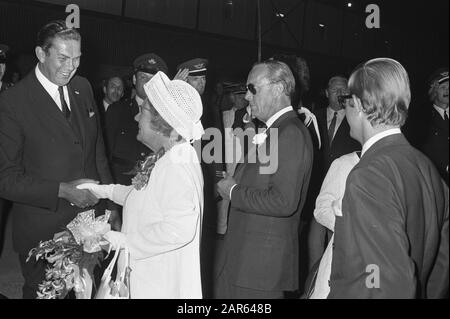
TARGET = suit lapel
x,y
42,100
252,152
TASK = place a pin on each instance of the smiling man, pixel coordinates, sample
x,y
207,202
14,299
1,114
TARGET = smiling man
x,y
50,141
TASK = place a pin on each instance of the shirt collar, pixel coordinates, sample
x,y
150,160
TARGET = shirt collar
x,y
441,110
48,85
378,137
277,115
139,101
330,111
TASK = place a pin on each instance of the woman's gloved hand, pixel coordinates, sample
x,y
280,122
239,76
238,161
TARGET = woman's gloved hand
x,y
100,191
116,239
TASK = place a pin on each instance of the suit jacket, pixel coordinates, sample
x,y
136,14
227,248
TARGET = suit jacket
x,y
394,229
121,129
342,142
436,142
39,149
260,249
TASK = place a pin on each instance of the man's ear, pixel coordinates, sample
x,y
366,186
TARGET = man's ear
x,y
104,90
40,54
326,93
134,80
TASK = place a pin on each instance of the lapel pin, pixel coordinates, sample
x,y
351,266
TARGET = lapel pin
x,y
76,92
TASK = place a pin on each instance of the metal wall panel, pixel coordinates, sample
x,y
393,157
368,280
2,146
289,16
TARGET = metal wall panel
x,y
236,18
104,6
327,38
283,31
181,13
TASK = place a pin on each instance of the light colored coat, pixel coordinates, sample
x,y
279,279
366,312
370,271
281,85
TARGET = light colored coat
x,y
162,224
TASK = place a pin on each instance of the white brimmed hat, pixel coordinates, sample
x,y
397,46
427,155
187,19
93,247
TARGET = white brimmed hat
x,y
178,103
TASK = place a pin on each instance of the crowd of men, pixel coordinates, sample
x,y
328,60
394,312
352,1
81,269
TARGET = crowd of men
x,y
54,134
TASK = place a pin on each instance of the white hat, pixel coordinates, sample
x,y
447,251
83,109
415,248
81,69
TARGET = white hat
x,y
178,103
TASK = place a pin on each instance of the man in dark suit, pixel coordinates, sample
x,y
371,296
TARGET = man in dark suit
x,y
113,89
336,141
333,127
50,141
436,142
259,257
124,150
392,240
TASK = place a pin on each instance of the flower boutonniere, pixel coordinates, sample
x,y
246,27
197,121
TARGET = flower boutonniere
x,y
144,168
259,138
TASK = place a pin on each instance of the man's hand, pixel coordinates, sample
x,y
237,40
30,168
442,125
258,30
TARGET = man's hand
x,y
79,197
182,75
224,186
115,220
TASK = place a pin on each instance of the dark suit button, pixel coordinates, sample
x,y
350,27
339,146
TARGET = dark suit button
x,y
329,283
76,142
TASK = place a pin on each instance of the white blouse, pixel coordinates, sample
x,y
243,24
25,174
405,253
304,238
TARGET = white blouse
x,y
328,206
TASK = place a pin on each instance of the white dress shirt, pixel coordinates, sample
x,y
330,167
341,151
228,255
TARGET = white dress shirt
x,y
106,105
52,88
441,111
139,101
339,118
378,137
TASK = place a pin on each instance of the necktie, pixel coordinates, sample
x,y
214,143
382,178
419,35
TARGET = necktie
x,y
332,127
64,107
445,116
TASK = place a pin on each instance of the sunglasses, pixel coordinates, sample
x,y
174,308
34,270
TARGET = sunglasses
x,y
252,88
342,99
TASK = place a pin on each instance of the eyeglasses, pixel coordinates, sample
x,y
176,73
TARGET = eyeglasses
x,y
252,88
342,99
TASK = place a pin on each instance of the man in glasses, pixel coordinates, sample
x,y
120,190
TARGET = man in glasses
x,y
333,127
392,238
336,141
259,256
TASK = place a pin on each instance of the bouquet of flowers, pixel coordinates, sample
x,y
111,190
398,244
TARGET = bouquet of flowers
x,y
72,255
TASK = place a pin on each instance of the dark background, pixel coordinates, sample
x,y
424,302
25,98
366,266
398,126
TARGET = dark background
x,y
225,31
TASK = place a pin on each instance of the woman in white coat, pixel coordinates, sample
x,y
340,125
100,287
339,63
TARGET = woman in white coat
x,y
162,211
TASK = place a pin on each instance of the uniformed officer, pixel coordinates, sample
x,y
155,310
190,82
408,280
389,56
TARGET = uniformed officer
x,y
436,145
3,51
194,72
121,129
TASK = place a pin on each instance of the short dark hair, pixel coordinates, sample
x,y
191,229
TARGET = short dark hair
x,y
53,29
105,82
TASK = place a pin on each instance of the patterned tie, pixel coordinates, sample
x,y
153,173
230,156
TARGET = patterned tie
x,y
65,108
332,127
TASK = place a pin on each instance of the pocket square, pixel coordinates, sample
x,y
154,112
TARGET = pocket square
x,y
91,112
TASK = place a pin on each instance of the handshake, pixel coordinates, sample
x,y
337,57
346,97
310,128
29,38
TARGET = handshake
x,y
84,192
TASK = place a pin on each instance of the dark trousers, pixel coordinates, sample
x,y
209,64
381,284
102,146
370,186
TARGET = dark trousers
x,y
34,273
224,289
